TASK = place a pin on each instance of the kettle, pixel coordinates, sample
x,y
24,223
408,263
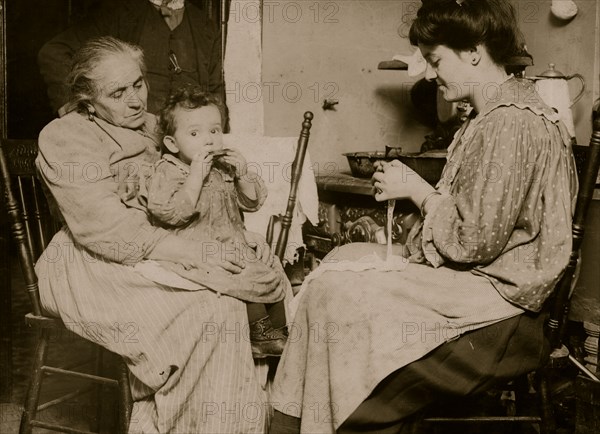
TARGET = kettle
x,y
552,87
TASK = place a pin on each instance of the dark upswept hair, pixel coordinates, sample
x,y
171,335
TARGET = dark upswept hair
x,y
187,98
83,77
462,25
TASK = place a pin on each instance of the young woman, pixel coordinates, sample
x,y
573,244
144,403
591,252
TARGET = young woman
x,y
374,347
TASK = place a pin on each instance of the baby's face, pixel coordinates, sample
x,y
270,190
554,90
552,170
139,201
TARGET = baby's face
x,y
197,130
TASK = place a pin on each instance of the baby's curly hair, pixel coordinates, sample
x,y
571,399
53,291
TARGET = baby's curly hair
x,y
187,98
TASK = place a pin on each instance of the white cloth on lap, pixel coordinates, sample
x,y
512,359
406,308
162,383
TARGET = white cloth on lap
x,y
371,261
154,271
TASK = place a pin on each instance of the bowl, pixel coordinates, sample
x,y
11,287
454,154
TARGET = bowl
x,y
362,163
428,165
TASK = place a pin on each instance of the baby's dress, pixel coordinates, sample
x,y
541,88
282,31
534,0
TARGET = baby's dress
x,y
215,219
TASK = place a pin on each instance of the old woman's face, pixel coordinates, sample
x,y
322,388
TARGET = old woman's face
x,y
121,92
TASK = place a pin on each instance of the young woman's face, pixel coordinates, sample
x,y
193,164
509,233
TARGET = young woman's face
x,y
196,130
121,92
451,70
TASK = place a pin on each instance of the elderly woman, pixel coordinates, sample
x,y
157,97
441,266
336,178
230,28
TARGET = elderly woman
x,y
494,239
187,351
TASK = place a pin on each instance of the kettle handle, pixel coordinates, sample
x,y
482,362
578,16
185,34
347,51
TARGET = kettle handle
x,y
580,94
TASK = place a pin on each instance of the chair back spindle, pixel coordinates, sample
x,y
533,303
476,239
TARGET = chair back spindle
x,y
38,216
286,219
19,218
25,214
31,209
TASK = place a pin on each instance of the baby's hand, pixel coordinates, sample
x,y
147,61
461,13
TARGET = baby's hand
x,y
236,159
202,163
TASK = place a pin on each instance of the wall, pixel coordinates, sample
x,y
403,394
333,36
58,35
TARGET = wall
x,y
318,49
571,46
29,23
332,51
243,90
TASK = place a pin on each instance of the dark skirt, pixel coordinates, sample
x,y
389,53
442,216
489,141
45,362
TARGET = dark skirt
x,y
471,364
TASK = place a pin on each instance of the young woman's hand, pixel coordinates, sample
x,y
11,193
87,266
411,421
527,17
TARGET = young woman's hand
x,y
395,180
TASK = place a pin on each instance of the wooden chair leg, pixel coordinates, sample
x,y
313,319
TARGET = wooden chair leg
x,y
548,424
97,398
35,385
125,399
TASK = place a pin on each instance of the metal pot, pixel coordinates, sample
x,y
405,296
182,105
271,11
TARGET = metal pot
x,y
552,86
428,165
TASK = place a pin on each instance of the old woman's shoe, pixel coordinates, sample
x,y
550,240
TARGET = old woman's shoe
x,y
265,340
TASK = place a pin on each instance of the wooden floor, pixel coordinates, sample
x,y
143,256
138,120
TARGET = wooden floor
x,y
80,413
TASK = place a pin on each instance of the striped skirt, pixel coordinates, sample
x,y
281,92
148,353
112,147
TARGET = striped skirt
x,y
188,352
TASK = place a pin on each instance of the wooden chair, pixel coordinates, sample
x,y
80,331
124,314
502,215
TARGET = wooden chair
x,y
286,219
558,307
32,226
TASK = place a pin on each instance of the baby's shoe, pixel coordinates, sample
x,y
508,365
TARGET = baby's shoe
x,y
265,340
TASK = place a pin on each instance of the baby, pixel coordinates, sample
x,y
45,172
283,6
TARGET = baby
x,y
199,190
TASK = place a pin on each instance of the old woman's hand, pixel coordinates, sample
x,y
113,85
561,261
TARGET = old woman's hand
x,y
227,256
395,180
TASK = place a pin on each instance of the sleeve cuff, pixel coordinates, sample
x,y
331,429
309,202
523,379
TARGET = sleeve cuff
x,y
131,251
252,205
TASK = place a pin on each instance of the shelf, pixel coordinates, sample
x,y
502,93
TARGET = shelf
x,y
398,65
394,65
